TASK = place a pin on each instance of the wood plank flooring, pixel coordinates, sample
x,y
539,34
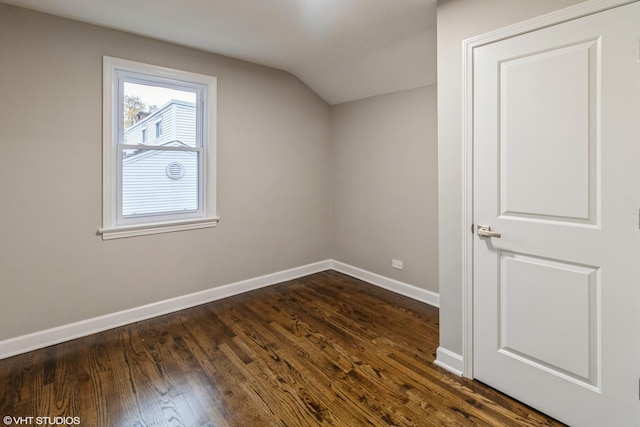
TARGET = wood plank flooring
x,y
325,349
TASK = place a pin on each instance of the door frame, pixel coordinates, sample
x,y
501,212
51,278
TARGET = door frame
x,y
580,10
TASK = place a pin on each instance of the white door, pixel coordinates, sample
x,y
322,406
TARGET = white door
x,y
556,139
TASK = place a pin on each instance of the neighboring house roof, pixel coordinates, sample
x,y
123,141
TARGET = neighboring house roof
x,y
175,121
156,113
141,154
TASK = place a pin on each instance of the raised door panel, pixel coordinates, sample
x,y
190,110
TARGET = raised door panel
x,y
549,315
548,134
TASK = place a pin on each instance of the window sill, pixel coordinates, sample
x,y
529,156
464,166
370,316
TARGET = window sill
x,y
156,228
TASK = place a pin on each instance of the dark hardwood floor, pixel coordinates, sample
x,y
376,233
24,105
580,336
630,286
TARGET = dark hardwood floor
x,y
326,349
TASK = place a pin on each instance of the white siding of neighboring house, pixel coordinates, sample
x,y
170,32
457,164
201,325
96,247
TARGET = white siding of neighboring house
x,y
178,124
185,119
147,188
135,136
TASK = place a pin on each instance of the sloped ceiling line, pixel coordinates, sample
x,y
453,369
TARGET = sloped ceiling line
x,y
343,49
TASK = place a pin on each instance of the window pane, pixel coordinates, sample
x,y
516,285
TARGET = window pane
x,y
159,182
173,110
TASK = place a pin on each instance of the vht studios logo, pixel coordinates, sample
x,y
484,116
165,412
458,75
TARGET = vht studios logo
x,y
51,421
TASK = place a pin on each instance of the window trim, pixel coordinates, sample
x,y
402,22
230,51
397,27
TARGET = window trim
x,y
111,229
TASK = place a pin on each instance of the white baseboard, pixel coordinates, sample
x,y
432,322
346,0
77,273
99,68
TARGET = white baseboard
x,y
45,338
447,359
393,285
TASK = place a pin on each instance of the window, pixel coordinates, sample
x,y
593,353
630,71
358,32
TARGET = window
x,y
166,183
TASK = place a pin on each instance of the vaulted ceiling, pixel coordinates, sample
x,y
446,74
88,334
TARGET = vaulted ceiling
x,y
343,49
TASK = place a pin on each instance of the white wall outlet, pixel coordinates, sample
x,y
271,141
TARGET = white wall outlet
x,y
396,264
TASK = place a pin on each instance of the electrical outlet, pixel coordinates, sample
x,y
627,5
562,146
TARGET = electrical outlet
x,y
396,264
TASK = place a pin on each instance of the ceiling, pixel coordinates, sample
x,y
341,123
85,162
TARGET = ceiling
x,y
343,49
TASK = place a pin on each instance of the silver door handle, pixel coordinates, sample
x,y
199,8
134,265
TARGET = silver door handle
x,y
485,231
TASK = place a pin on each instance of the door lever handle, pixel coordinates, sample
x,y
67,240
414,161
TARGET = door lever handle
x,y
485,231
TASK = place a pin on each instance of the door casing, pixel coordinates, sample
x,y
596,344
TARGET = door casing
x,y
580,10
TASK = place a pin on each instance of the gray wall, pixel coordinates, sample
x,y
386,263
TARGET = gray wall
x,y
385,185
283,154
274,178
457,21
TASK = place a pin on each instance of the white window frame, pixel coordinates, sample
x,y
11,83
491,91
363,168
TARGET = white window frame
x,y
114,225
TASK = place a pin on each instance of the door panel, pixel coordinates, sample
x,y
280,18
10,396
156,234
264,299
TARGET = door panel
x,y
549,315
549,171
556,137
